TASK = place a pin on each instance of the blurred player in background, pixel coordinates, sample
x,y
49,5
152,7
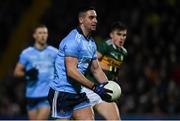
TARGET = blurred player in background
x,y
111,53
36,65
76,52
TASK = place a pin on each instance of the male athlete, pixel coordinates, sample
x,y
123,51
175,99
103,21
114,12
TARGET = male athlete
x,y
36,64
111,53
77,51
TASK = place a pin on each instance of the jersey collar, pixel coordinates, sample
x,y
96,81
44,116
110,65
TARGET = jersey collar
x,y
81,32
40,49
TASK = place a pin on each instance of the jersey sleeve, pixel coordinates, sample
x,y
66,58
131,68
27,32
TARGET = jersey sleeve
x,y
23,58
71,48
54,51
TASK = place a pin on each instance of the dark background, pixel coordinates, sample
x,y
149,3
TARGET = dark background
x,y
150,77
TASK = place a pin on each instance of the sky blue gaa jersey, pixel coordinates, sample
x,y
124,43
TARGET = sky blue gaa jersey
x,y
43,60
75,44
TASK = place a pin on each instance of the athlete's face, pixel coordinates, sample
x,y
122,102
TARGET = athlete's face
x,y
40,35
89,20
118,37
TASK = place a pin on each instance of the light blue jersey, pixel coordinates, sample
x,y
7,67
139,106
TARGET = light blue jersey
x,y
75,44
43,60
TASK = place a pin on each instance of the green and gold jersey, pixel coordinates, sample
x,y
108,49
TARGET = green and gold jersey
x,y
111,56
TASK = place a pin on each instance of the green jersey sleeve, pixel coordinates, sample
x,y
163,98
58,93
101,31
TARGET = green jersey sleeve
x,y
102,47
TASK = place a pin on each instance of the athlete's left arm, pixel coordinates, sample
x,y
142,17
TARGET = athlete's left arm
x,y
98,72
99,55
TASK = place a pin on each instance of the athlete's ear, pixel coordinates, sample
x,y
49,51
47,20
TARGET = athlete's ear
x,y
111,34
34,35
81,20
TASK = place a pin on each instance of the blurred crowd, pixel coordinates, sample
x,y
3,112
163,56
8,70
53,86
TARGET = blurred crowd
x,y
150,77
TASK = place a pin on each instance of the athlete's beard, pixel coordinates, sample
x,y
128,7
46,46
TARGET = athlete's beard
x,y
40,45
43,44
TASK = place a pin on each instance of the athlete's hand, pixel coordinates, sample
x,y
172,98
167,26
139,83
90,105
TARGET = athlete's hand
x,y
102,92
32,74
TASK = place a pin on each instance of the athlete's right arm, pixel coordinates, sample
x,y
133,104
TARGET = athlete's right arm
x,y
31,74
73,72
19,70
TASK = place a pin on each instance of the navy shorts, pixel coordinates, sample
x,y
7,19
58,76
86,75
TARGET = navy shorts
x,y
63,103
34,103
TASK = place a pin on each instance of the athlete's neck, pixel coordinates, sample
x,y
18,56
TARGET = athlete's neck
x,y
40,46
85,32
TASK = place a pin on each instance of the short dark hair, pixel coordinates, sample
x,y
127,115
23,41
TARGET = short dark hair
x,y
39,26
84,9
118,25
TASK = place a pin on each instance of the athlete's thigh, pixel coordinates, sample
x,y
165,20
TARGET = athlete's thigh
x,y
32,114
60,108
83,114
34,106
32,109
109,111
43,113
64,103
92,96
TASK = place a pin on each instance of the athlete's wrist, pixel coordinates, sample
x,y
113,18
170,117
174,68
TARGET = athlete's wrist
x,y
101,83
93,87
